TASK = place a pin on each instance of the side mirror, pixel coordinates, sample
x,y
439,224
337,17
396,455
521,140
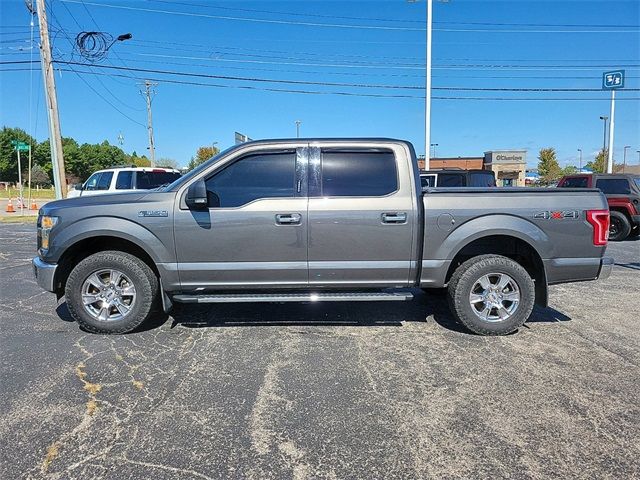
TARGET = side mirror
x,y
196,198
77,186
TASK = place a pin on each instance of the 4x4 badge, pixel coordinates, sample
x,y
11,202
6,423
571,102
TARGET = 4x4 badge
x,y
557,215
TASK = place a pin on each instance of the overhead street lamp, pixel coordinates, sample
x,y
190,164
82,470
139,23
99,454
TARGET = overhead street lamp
x,y
434,145
298,122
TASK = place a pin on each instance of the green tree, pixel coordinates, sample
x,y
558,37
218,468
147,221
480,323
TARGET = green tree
x,y
202,155
548,166
599,164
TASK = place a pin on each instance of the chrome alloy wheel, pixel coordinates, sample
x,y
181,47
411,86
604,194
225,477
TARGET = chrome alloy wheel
x,y
494,297
108,295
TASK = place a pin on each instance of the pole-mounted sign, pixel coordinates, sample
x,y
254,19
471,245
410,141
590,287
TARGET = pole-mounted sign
x,y
612,81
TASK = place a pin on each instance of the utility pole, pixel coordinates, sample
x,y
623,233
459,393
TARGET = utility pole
x,y
55,137
148,92
298,122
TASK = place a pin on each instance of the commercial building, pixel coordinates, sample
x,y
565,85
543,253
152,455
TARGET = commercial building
x,y
465,163
509,166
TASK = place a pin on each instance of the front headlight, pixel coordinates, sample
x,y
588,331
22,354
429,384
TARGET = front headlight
x,y
45,225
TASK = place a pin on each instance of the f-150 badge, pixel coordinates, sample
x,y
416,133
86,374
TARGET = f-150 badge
x,y
153,213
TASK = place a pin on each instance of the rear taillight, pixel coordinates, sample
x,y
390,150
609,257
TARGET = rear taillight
x,y
599,219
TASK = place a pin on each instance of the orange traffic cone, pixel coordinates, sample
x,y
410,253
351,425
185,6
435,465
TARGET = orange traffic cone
x,y
34,205
10,208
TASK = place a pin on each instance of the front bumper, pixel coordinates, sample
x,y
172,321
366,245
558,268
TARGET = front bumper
x,y
606,265
45,274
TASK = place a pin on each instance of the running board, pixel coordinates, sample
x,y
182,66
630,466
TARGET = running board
x,y
294,297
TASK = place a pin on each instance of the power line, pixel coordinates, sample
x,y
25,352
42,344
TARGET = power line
x,y
390,66
351,94
214,48
316,15
335,84
328,25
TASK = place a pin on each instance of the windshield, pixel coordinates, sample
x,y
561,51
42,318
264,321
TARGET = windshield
x,y
204,165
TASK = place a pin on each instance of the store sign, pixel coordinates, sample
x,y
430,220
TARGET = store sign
x,y
508,157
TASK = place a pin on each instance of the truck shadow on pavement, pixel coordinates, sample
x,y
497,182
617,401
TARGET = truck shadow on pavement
x,y
423,308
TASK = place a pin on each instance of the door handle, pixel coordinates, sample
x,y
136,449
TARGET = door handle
x,y
395,217
288,218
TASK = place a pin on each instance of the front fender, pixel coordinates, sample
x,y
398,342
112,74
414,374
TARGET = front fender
x,y
110,226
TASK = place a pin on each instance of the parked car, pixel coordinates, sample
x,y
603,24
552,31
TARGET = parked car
x,y
308,220
124,179
457,178
623,196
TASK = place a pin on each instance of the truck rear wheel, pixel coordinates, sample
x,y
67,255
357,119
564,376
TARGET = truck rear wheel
x,y
619,227
491,295
111,292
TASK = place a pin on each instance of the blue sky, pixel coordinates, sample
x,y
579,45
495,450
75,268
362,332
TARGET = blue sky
x,y
477,44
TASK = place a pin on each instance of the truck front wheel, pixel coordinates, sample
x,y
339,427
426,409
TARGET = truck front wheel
x,y
111,292
491,295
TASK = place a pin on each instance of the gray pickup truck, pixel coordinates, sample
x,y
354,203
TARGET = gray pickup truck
x,y
307,220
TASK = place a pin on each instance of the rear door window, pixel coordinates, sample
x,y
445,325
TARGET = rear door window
x,y
617,186
123,182
358,173
575,182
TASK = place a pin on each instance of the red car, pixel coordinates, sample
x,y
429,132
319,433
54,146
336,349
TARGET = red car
x,y
623,195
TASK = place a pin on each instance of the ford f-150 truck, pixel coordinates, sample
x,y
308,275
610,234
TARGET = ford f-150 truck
x,y
306,220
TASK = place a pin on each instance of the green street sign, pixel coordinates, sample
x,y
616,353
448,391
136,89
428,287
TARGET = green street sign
x,y
20,146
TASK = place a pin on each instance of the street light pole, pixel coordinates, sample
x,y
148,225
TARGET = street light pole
x,y
624,156
580,150
427,109
611,130
298,122
434,145
604,133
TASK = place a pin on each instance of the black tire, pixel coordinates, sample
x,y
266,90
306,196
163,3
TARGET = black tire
x,y
635,231
467,277
619,227
140,275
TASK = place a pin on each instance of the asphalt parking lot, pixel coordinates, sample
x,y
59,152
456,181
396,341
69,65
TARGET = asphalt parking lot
x,y
334,391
